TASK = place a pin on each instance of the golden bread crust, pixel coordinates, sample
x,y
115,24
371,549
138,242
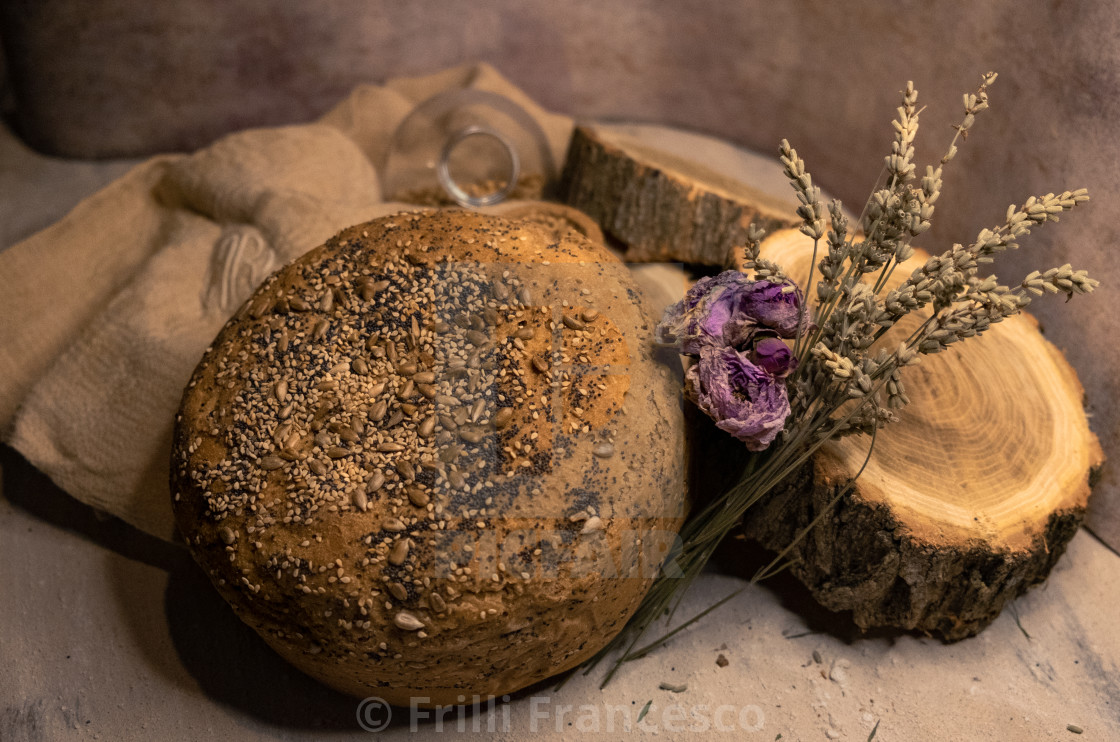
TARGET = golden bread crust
x,y
434,457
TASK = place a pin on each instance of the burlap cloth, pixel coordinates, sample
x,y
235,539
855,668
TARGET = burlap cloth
x,y
107,311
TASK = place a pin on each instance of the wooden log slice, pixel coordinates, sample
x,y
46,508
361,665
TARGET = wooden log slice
x,y
661,206
965,503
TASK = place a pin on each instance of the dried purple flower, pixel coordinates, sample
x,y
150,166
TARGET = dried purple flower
x,y
699,318
728,309
776,306
742,398
773,356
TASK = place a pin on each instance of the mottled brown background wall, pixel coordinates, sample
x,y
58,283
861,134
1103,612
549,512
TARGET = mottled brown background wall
x,y
130,77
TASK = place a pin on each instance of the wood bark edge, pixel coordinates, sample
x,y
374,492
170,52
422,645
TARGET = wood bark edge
x,y
660,207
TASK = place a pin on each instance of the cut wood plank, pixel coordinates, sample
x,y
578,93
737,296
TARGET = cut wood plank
x,y
965,503
660,206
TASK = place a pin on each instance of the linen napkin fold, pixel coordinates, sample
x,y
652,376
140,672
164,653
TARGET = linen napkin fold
x,y
111,308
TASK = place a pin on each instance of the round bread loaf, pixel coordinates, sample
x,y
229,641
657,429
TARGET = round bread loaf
x,y
434,458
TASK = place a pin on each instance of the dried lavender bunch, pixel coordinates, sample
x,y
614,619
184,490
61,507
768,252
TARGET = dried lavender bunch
x,y
785,380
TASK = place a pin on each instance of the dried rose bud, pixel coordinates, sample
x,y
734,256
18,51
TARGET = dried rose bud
x,y
742,398
773,305
773,356
728,309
